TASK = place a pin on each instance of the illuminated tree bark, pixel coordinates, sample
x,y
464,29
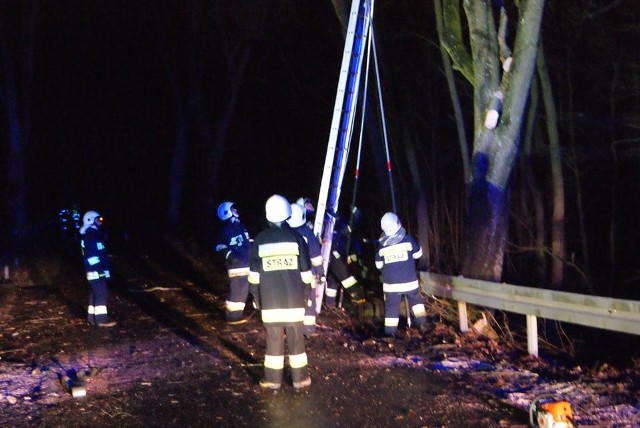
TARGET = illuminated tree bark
x,y
496,75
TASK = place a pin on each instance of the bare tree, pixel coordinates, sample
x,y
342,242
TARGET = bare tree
x,y
169,51
203,36
557,224
17,42
532,188
453,92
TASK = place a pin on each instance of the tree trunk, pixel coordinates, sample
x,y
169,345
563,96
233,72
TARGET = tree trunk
x,y
557,225
530,185
15,93
178,161
495,148
421,207
486,229
236,73
584,241
16,189
453,92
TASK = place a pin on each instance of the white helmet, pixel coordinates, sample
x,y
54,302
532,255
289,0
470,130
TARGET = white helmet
x,y
277,209
89,219
225,211
306,203
298,215
390,224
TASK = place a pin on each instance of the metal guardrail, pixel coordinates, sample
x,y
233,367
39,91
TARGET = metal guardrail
x,y
592,311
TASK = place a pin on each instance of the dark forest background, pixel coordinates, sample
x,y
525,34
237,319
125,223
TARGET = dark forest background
x,y
154,112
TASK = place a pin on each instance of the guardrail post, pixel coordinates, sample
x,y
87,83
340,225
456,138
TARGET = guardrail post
x,y
532,335
462,314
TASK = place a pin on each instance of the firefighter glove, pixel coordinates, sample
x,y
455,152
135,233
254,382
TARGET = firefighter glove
x,y
320,282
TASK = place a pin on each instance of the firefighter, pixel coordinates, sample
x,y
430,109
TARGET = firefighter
x,y
338,274
234,244
69,222
96,265
309,210
298,221
75,217
396,257
280,278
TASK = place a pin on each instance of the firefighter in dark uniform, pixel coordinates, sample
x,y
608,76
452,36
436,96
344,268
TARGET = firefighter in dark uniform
x,y
298,222
281,279
309,210
396,258
338,274
234,245
96,265
69,222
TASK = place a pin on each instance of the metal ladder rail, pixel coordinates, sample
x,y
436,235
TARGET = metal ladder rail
x,y
342,123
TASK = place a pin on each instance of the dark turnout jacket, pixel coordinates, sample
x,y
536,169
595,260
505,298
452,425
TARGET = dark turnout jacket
x,y
314,248
396,257
280,274
94,254
234,244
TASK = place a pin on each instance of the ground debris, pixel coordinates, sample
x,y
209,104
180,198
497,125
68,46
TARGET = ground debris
x,y
172,359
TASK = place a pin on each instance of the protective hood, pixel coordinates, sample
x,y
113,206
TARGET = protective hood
x,y
393,239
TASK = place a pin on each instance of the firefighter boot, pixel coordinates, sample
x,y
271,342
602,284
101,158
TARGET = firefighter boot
x,y
303,383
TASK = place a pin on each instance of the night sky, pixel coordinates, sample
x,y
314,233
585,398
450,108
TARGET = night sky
x,y
103,121
104,117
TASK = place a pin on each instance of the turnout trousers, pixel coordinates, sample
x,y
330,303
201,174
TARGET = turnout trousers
x,y
238,293
309,320
338,275
392,301
274,355
97,308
